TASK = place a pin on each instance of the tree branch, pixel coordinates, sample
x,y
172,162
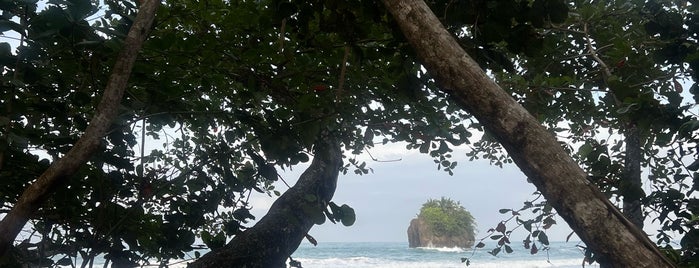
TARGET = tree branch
x,y
593,53
60,171
270,242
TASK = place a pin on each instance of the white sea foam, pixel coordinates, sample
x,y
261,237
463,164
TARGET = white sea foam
x,y
363,262
443,249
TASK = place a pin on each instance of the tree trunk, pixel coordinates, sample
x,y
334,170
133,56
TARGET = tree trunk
x,y
614,239
631,184
61,170
270,242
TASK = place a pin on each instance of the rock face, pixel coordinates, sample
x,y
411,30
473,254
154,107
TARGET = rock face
x,y
421,235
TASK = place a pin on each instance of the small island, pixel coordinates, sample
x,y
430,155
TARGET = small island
x,y
442,223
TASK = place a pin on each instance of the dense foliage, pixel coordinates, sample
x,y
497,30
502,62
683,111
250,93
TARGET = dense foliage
x,y
226,92
609,79
447,217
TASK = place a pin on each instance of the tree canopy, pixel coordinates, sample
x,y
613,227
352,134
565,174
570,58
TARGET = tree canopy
x,y
224,93
447,217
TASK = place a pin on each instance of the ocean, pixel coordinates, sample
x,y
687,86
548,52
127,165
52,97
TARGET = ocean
x,y
397,254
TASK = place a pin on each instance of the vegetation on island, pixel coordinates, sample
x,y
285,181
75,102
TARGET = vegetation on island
x,y
447,217
130,128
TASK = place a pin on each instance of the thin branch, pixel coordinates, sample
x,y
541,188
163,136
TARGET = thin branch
x,y
143,147
343,72
576,89
566,30
383,161
593,53
663,77
281,35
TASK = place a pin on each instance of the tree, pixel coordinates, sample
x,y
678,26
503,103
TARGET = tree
x,y
531,146
563,80
61,170
237,89
447,217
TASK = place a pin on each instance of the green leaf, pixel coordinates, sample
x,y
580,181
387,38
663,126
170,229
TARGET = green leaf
x,y
543,238
508,249
318,216
348,215
213,242
443,147
533,250
501,227
425,147
243,214
694,166
302,157
494,252
569,235
65,261
369,136
585,150
691,239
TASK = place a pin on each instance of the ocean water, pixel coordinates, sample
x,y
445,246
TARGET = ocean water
x,y
398,254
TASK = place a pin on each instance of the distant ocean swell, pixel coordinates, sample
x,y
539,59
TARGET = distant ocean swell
x,y
397,254
389,255
364,262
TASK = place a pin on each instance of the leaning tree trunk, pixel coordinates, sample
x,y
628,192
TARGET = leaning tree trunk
x,y
614,239
270,242
61,170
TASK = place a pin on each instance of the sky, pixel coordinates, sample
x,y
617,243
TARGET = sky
x,y
386,200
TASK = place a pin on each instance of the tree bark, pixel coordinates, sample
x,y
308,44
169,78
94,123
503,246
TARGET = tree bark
x,y
270,242
61,170
602,227
631,186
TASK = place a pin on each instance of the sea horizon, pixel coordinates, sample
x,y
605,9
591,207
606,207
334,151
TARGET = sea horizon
x,y
375,254
398,254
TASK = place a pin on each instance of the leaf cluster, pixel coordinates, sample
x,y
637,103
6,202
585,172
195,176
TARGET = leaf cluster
x,y
447,217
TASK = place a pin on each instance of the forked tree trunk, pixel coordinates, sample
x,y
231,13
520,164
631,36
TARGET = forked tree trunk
x,y
279,233
616,241
62,169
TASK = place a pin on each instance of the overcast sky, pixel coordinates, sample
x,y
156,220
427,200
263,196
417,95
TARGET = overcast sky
x,y
386,200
